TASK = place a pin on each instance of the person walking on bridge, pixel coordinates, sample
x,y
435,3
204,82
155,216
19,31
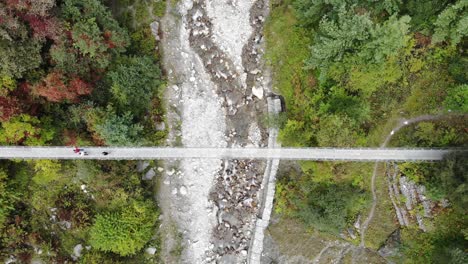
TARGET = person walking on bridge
x,y
76,149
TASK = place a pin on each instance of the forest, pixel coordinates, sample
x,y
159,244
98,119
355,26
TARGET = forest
x,y
78,73
88,73
349,70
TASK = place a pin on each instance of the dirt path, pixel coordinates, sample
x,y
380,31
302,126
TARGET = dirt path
x,y
402,123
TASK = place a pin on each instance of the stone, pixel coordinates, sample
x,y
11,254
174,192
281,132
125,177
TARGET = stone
x,y
183,190
151,250
77,251
160,126
254,72
257,92
155,29
351,233
160,169
65,224
142,165
149,174
357,224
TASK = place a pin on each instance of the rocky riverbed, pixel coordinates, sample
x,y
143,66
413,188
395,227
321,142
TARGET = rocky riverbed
x,y
212,55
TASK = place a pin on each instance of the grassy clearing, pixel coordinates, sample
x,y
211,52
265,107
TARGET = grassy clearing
x,y
293,240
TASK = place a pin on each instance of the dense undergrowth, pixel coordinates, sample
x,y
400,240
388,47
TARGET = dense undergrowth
x,y
349,70
74,73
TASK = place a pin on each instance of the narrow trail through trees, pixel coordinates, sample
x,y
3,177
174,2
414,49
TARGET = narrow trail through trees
x,y
403,123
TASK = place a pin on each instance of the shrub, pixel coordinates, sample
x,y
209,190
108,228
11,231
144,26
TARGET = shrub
x,y
124,231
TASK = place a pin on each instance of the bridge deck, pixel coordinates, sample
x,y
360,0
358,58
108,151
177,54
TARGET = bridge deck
x,y
145,153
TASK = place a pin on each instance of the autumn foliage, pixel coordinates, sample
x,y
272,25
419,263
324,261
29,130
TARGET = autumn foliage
x,y
9,106
55,87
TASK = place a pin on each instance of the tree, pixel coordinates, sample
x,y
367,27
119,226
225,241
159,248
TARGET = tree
x,y
46,171
295,134
6,198
55,87
88,39
452,24
340,102
9,107
443,244
337,37
7,84
118,130
82,11
337,131
386,39
351,38
423,13
24,129
18,57
133,83
457,98
124,231
310,12
327,207
43,28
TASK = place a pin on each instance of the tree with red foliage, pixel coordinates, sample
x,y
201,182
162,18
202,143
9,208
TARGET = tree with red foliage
x,y
55,87
9,107
44,27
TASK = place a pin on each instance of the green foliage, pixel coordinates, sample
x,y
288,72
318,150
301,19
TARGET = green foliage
x,y
457,68
77,10
46,171
88,39
337,131
159,8
24,129
6,198
328,207
17,58
337,37
369,62
342,102
310,12
457,98
423,13
354,39
428,91
452,23
125,231
97,257
96,37
54,49
445,244
133,83
7,84
443,180
143,42
386,39
369,78
294,134
324,205
119,130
